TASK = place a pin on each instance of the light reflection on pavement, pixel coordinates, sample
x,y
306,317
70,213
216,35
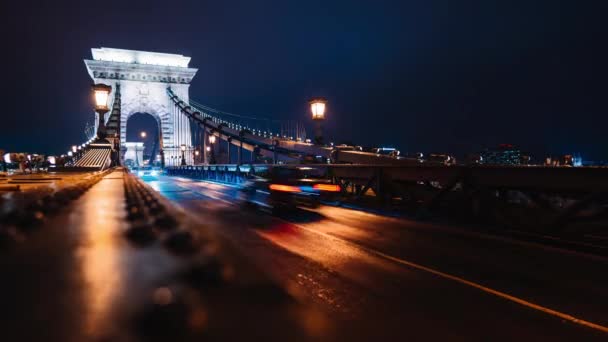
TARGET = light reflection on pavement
x,y
316,253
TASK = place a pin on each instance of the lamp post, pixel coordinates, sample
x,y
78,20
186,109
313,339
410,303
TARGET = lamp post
x,y
317,107
196,153
136,156
211,149
143,135
183,148
102,92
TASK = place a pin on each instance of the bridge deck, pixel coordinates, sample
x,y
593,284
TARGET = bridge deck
x,y
122,263
78,277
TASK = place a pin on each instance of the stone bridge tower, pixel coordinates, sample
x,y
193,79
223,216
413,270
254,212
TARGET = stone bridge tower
x,y
144,78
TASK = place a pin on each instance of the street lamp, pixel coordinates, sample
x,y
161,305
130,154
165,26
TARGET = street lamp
x,y
143,135
211,149
317,108
183,148
196,153
102,93
74,148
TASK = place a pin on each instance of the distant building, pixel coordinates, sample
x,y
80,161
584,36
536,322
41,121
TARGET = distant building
x,y
505,154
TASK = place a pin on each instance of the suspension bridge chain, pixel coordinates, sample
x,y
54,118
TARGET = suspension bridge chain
x,y
235,128
261,126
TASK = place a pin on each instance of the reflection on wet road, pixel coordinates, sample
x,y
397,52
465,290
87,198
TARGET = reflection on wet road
x,y
364,267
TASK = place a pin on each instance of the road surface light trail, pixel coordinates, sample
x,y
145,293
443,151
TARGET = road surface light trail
x,y
284,188
327,187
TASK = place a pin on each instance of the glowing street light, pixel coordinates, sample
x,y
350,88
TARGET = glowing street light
x,y
143,134
212,139
74,148
102,93
317,108
183,148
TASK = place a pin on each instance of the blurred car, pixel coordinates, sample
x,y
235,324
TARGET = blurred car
x,y
148,171
285,188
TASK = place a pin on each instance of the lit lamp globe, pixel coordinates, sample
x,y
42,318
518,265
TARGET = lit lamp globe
x,y
317,108
74,148
212,139
183,148
196,153
102,93
143,134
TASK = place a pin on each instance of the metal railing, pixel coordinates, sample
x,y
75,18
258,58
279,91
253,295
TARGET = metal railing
x,y
545,200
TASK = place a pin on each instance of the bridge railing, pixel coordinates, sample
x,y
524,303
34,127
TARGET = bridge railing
x,y
553,200
228,173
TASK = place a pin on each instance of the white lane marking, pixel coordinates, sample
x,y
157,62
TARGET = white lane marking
x,y
486,289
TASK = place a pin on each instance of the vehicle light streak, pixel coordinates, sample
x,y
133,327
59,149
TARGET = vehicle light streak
x,y
284,188
327,187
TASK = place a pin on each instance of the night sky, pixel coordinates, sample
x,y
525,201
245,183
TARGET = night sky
x,y
443,76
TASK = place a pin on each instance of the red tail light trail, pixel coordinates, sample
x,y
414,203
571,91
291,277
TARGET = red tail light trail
x,y
284,188
327,187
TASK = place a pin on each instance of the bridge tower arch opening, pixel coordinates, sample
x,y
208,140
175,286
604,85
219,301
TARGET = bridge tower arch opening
x,y
143,78
143,140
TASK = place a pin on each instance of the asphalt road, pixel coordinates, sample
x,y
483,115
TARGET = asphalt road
x,y
394,276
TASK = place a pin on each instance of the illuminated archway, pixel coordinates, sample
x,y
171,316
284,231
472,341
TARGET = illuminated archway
x,y
144,78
